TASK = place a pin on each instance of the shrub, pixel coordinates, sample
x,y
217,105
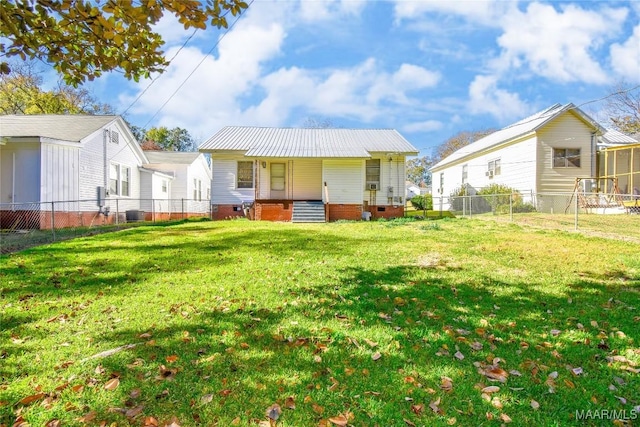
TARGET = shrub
x,y
424,202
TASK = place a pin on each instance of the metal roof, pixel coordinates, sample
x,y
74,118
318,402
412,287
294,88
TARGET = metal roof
x,y
173,157
615,137
516,130
307,142
72,128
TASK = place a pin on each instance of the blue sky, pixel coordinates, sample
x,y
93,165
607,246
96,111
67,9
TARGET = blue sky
x,y
426,68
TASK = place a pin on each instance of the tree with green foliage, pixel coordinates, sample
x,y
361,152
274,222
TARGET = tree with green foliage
x,y
422,202
418,170
22,92
85,38
176,139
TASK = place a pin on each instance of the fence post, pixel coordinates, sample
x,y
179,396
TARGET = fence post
x,y
117,214
182,208
471,207
53,220
441,206
153,210
576,208
511,207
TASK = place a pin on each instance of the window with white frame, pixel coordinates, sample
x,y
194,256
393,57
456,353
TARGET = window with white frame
x,y
465,173
197,189
119,180
493,168
372,167
245,174
566,157
165,185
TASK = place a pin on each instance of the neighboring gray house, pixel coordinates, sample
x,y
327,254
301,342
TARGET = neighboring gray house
x,y
284,173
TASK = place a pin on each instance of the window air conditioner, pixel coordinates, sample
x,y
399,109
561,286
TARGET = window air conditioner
x,y
372,186
489,174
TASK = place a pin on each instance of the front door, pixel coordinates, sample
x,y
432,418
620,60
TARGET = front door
x,y
278,182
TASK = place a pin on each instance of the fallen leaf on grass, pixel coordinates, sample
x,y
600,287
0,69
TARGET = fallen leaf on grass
x,y
417,409
53,423
290,403
435,406
495,374
89,416
459,355
505,418
207,398
491,389
340,420
150,422
30,399
172,358
535,405
133,412
409,423
376,356
446,384
112,384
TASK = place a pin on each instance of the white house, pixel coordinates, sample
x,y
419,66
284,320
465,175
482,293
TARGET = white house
x,y
543,153
84,161
190,184
411,190
298,175
88,168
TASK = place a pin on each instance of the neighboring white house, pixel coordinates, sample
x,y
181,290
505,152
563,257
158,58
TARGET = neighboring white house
x,y
411,190
191,183
86,168
85,161
354,173
543,153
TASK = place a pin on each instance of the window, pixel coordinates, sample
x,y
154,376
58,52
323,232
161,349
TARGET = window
x,y
441,182
566,157
197,189
119,180
245,175
125,178
465,173
114,179
373,172
164,185
493,168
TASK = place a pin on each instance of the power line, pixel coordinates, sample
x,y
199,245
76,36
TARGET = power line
x,y
198,65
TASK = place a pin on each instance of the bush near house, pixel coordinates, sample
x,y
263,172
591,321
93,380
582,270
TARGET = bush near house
x,y
424,202
496,198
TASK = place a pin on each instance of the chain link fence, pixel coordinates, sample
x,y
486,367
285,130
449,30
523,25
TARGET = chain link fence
x,y
24,225
595,212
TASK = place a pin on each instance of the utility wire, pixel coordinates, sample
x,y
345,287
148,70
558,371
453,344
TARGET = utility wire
x,y
198,65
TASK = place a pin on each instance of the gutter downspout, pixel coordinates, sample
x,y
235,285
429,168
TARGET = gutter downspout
x,y
593,154
13,179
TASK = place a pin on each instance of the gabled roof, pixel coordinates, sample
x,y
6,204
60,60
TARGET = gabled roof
x,y
516,130
172,157
72,128
308,142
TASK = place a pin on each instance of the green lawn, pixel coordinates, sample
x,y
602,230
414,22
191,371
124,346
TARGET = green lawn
x,y
446,322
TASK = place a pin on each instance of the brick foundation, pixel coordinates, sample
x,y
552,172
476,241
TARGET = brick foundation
x,y
387,212
273,210
219,212
348,212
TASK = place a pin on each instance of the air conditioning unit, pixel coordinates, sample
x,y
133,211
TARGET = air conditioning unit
x,y
489,174
372,186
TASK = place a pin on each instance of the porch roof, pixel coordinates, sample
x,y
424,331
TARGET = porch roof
x,y
308,142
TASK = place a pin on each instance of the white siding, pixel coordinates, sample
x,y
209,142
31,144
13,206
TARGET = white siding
x,y
59,174
565,132
517,169
345,180
153,199
224,191
26,187
392,182
94,168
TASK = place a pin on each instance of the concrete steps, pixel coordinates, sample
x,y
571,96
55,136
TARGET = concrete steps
x,y
308,211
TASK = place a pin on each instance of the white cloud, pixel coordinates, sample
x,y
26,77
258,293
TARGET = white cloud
x,y
484,12
426,126
625,57
557,45
486,97
314,11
